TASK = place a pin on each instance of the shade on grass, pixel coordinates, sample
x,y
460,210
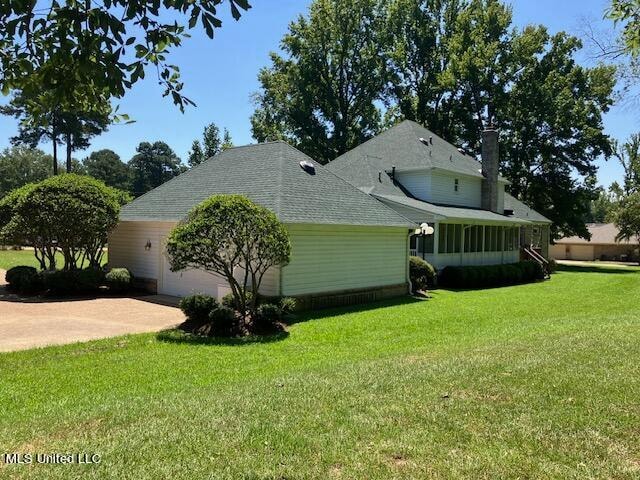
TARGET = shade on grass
x,y
532,381
13,258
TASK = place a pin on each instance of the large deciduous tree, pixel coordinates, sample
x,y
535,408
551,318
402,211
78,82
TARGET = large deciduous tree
x,y
21,165
553,132
152,165
107,44
321,93
105,165
231,236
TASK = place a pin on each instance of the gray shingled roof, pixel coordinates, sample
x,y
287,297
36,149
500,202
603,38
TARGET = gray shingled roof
x,y
418,208
270,175
521,210
401,146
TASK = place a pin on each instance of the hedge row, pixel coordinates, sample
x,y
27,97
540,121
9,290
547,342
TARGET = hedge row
x,y
491,275
28,280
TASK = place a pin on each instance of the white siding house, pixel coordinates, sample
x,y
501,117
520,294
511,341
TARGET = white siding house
x,y
343,241
428,180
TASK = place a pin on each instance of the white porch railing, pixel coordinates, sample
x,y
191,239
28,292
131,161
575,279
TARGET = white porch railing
x,y
413,252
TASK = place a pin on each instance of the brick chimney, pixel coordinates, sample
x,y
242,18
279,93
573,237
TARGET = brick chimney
x,y
490,165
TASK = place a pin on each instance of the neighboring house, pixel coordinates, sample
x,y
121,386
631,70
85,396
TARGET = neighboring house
x,y
426,179
346,245
602,246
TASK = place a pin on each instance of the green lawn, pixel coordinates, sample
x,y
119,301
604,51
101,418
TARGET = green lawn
x,y
533,381
13,258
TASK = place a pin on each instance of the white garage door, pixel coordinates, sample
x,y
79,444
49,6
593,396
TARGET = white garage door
x,y
187,282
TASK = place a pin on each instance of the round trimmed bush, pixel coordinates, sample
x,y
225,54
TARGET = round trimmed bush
x,y
198,307
229,301
24,279
422,274
266,318
222,322
119,280
89,280
60,282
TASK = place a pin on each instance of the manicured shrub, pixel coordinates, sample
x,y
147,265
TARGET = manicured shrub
x,y
71,282
229,301
119,280
266,318
23,279
553,265
491,275
198,307
223,322
89,280
422,274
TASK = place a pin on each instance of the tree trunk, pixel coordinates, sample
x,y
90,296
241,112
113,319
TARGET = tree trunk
x,y
55,155
69,153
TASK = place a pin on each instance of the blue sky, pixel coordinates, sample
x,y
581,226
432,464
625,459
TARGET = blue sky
x,y
221,74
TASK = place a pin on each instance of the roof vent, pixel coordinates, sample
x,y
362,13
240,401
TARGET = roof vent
x,y
424,140
308,167
462,150
431,140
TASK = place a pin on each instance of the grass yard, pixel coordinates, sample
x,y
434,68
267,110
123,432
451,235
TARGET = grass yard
x,y
13,258
533,381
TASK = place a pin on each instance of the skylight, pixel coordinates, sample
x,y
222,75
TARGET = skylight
x,y
308,167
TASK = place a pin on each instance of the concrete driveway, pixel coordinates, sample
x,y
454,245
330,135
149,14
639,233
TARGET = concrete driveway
x,y
28,322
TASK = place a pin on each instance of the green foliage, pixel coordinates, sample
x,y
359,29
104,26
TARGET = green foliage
x,y
455,66
422,274
104,47
227,141
212,145
197,308
288,305
226,233
627,14
627,218
266,318
21,165
72,282
553,265
105,165
119,280
152,165
196,156
628,154
321,95
69,213
222,323
24,279
488,276
42,117
211,141
229,300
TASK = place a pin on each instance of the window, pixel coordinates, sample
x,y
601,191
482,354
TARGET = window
x,y
456,185
449,238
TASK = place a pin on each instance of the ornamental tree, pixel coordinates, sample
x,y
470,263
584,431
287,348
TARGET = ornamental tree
x,y
627,218
231,236
70,213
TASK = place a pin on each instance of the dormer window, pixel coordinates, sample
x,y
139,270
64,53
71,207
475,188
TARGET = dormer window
x,y
456,185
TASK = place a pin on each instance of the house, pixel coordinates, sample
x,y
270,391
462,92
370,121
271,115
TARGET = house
x,y
426,179
602,245
346,245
